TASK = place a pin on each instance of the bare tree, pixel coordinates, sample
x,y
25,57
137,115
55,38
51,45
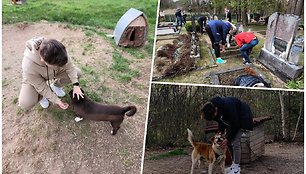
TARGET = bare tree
x,y
297,123
281,100
299,8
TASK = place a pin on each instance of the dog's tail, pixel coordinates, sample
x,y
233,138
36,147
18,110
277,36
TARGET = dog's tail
x,y
190,138
132,110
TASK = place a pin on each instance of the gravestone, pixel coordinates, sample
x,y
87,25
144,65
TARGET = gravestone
x,y
281,51
195,45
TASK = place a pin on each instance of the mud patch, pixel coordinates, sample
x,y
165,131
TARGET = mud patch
x,y
174,59
229,78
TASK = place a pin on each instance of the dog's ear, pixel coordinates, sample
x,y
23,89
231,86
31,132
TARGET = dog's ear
x,y
212,139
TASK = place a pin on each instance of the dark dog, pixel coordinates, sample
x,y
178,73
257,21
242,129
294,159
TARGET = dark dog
x,y
88,109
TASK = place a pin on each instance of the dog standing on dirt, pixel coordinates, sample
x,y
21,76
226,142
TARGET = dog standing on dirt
x,y
213,153
91,110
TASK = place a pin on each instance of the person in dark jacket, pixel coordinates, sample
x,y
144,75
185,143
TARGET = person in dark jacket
x,y
178,15
228,17
232,116
217,31
184,16
202,22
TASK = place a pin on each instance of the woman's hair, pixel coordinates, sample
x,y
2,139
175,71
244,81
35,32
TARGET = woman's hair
x,y
53,52
208,111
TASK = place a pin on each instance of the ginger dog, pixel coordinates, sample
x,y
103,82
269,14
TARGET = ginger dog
x,y
213,153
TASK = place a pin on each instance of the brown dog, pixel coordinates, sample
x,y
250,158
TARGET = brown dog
x,y
213,153
91,110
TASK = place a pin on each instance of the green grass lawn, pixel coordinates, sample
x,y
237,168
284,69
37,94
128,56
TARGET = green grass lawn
x,y
98,13
255,28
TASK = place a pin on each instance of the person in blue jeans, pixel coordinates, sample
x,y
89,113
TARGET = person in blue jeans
x,y
233,116
178,16
246,41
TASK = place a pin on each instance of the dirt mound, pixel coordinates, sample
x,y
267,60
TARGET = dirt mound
x,y
178,57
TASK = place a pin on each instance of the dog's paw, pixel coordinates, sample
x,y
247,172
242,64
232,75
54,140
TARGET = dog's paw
x,y
78,119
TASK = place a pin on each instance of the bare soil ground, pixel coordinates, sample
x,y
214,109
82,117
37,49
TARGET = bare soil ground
x,y
279,158
48,141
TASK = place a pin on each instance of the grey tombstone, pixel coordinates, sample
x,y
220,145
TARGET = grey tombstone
x,y
281,52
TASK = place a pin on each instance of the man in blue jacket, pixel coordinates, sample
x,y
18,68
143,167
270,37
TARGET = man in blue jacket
x,y
232,116
217,31
178,16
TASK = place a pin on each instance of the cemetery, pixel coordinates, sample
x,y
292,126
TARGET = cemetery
x,y
278,58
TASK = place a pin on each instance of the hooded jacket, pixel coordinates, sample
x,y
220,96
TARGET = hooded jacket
x,y
36,73
233,115
219,30
243,38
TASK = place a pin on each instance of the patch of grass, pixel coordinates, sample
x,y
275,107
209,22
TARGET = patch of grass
x,y
88,47
88,33
121,67
139,85
102,88
255,28
123,151
127,162
15,100
7,68
296,84
19,111
69,26
84,12
175,152
5,83
256,49
60,114
136,99
22,111
120,64
94,96
87,69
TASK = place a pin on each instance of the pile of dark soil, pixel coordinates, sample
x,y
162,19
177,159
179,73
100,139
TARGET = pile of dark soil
x,y
175,64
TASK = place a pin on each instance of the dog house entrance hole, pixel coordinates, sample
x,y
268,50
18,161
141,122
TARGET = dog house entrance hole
x,y
132,35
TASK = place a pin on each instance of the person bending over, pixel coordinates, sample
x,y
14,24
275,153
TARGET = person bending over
x,y
232,116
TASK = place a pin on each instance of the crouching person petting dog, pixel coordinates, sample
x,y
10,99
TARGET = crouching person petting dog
x,y
46,59
232,116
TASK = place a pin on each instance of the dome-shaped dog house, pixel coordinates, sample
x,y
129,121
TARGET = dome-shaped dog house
x,y
132,29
